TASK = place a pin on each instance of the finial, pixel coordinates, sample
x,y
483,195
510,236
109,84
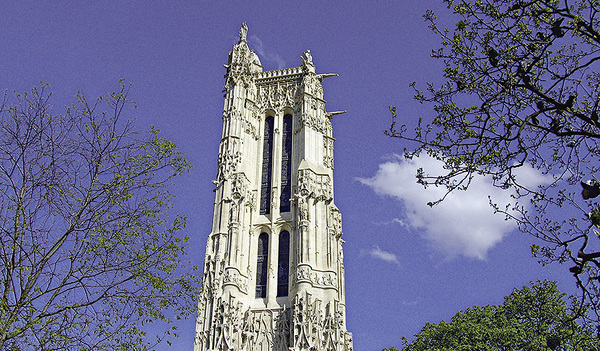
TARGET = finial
x,y
243,32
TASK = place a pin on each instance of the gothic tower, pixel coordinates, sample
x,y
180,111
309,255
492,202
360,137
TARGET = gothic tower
x,y
273,270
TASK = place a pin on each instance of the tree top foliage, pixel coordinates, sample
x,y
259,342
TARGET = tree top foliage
x,y
88,252
533,318
520,92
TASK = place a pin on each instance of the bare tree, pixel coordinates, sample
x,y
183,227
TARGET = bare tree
x,y
88,254
521,88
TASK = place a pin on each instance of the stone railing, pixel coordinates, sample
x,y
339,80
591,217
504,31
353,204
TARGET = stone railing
x,y
279,73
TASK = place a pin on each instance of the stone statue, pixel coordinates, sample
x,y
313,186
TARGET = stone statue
x,y
307,62
243,32
307,58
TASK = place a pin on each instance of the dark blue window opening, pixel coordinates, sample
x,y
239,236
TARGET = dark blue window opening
x,y
262,265
265,187
286,164
283,264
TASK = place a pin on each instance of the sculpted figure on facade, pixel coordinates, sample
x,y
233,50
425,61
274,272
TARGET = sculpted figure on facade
x,y
228,162
243,32
307,62
335,221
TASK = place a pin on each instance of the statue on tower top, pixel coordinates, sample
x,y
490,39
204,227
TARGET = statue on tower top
x,y
243,32
307,62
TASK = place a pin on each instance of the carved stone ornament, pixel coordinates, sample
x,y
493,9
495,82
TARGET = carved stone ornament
x,y
317,186
243,32
321,125
239,186
314,117
228,162
243,62
320,279
278,95
274,198
242,329
335,221
233,277
312,85
302,209
226,329
251,128
328,152
307,62
318,327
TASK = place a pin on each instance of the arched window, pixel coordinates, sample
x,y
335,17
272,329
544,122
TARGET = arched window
x,y
262,261
286,164
283,264
265,187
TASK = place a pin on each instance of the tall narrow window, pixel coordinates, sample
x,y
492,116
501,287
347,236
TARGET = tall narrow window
x,y
261,265
283,264
286,164
265,187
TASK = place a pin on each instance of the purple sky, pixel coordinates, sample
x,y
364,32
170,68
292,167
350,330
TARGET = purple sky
x,y
406,264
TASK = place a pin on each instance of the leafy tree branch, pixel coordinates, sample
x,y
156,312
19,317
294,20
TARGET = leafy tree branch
x,y
521,85
88,252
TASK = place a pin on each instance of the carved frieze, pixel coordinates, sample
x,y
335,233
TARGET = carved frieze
x,y
320,279
317,186
278,95
233,277
236,327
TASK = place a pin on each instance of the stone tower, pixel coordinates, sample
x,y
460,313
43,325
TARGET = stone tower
x,y
274,271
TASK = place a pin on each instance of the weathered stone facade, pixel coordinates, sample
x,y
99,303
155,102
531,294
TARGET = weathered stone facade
x,y
274,271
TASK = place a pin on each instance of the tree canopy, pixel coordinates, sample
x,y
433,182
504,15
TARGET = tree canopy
x,y
533,318
520,91
88,253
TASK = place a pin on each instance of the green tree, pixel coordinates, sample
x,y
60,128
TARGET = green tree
x,y
532,318
88,254
521,88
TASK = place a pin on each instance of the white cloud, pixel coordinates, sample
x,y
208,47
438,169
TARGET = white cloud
x,y
379,254
464,223
263,54
397,221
